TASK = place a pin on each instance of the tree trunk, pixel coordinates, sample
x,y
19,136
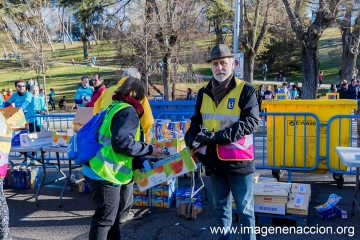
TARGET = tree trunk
x,y
218,32
85,47
4,48
11,41
348,59
166,76
48,37
63,29
310,58
155,88
249,61
173,89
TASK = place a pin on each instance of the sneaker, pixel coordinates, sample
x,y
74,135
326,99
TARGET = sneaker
x,y
128,217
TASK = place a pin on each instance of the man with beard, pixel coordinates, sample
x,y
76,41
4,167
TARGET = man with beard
x,y
227,110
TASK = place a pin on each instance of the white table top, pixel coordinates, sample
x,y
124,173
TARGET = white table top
x,y
26,149
347,156
54,149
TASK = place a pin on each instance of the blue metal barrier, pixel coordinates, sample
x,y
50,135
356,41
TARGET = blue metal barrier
x,y
262,157
330,139
160,107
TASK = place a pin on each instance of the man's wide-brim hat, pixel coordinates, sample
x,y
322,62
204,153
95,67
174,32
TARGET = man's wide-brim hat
x,y
220,51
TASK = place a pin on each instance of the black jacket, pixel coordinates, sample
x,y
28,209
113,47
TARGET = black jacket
x,y
247,124
344,93
123,128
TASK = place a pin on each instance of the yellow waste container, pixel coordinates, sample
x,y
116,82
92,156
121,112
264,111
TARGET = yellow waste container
x,y
284,139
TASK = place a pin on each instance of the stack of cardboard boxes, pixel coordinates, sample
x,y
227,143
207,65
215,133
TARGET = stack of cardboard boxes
x,y
161,196
275,197
23,177
183,199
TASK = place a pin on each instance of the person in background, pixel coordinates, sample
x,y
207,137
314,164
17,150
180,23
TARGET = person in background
x,y
265,70
1,100
121,125
294,93
260,96
146,122
320,77
52,99
280,76
39,107
332,90
353,90
24,100
298,89
72,61
8,95
83,93
5,56
42,94
276,90
268,94
228,108
288,86
63,104
284,90
99,88
344,92
189,94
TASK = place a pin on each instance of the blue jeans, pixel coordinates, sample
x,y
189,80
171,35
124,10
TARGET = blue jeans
x,y
105,223
241,188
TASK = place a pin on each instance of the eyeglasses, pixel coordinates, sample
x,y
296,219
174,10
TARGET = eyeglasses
x,y
19,86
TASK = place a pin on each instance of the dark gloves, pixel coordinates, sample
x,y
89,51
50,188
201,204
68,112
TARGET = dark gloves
x,y
209,139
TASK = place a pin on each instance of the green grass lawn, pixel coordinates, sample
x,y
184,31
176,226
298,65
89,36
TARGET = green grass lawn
x,y
65,79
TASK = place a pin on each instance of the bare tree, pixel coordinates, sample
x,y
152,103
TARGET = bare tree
x,y
309,34
350,34
256,28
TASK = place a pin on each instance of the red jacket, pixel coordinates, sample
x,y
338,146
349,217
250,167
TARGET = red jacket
x,y
95,96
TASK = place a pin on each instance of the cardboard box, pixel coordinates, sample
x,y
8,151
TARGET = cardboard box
x,y
161,202
15,118
196,208
183,195
301,188
262,195
278,185
62,138
35,139
170,146
273,208
25,177
298,204
137,200
82,116
164,170
137,191
16,137
164,190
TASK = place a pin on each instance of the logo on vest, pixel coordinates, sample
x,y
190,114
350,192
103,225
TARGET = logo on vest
x,y
231,103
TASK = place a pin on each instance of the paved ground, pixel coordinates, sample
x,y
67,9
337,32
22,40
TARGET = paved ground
x,y
48,221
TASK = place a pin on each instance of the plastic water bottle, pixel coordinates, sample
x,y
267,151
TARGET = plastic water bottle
x,y
72,178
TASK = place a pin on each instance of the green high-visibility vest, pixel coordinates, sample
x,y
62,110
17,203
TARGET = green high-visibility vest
x,y
112,166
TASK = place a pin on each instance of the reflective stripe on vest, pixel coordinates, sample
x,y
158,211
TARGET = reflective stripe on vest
x,y
112,164
108,164
222,117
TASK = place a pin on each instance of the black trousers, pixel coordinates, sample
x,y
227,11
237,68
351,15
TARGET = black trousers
x,y
105,223
126,199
